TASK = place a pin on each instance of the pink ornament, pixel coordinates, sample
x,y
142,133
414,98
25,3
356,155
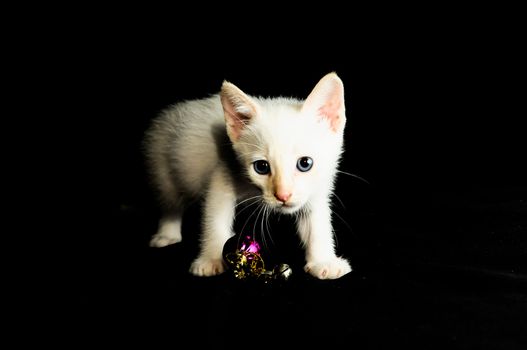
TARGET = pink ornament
x,y
250,246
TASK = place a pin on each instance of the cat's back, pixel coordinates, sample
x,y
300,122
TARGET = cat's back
x,y
182,140
196,115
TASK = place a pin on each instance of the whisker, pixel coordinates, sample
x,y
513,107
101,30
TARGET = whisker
x,y
340,200
247,221
262,233
267,214
260,210
247,207
353,175
247,199
343,221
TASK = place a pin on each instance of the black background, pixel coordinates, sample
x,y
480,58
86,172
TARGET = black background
x,y
433,104
435,125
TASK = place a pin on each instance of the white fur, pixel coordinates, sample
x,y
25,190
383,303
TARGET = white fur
x,y
188,148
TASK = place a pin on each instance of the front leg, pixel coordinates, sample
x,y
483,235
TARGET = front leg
x,y
218,218
316,232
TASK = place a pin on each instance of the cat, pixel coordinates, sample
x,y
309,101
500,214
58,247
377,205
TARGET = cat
x,y
232,147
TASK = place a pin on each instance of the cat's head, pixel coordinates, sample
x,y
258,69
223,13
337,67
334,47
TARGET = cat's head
x,y
289,148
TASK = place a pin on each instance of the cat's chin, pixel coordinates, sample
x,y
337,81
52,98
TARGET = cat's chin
x,y
288,209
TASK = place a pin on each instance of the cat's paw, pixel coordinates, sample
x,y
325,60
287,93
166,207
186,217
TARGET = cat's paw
x,y
331,269
207,267
160,240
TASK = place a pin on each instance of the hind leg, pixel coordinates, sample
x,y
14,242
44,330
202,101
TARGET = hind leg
x,y
169,231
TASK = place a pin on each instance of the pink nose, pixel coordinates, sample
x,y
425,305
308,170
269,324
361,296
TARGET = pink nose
x,y
283,196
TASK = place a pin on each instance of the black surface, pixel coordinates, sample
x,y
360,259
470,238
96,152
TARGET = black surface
x,y
437,239
451,278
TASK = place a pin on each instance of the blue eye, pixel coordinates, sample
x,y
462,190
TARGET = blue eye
x,y
304,164
262,167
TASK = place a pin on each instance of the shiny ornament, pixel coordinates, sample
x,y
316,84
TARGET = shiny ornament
x,y
246,262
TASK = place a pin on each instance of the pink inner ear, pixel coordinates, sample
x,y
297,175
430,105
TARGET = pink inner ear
x,y
235,119
327,101
235,125
330,110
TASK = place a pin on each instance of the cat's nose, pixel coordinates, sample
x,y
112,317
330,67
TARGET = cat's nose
x,y
283,196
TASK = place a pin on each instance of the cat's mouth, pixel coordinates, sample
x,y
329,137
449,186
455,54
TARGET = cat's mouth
x,y
288,208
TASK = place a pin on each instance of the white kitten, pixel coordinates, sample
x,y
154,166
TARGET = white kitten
x,y
231,147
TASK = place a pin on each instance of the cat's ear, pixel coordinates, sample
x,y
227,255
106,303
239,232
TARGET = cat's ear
x,y
327,101
238,109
